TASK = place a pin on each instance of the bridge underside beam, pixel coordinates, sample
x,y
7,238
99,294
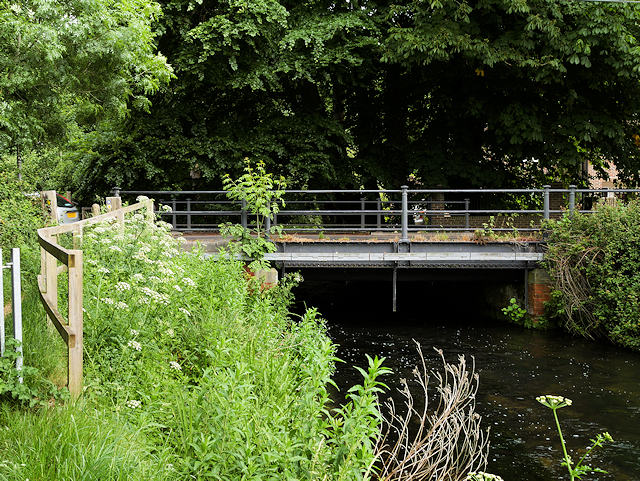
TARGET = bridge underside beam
x,y
410,275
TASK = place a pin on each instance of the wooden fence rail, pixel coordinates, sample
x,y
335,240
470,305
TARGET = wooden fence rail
x,y
71,261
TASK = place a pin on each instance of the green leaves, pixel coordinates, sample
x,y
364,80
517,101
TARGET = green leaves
x,y
262,196
72,62
594,261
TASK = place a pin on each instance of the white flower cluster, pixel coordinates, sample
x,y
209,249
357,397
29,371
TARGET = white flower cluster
x,y
135,345
166,271
138,277
108,300
123,286
554,402
481,476
133,404
103,270
188,281
156,296
121,305
175,365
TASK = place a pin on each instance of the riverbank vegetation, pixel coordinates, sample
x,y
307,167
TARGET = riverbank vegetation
x,y
193,370
594,262
192,373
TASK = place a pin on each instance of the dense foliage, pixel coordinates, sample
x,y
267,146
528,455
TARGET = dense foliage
x,y
213,368
370,92
68,64
594,261
20,216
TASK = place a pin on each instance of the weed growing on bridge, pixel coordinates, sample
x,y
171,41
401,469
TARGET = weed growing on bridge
x,y
263,196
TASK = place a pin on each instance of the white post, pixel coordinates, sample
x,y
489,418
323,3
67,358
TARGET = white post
x,y
16,306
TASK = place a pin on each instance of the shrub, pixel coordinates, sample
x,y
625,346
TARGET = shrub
x,y
594,261
182,346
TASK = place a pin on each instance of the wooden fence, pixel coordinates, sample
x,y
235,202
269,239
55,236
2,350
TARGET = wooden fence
x,y
71,262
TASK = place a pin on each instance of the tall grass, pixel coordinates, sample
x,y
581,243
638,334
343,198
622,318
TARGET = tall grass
x,y
72,443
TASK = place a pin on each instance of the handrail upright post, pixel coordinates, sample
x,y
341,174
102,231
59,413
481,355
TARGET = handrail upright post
x,y
174,217
572,200
243,213
466,214
405,214
379,215
188,213
362,208
275,217
545,209
267,223
150,215
75,322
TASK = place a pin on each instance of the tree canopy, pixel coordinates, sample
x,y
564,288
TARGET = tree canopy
x,y
368,93
67,64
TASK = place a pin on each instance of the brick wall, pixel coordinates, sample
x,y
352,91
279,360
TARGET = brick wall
x,y
539,291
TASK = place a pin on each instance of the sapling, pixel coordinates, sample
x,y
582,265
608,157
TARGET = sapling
x,y
263,196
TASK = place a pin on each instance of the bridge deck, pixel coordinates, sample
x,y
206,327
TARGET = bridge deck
x,y
359,251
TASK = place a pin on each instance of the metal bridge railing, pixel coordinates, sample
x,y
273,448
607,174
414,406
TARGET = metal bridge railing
x,y
403,210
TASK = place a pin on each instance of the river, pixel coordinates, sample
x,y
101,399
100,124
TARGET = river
x,y
515,365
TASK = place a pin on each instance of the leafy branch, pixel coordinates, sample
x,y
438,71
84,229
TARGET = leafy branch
x,y
263,196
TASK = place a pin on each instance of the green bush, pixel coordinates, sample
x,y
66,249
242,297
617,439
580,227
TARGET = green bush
x,y
594,261
20,215
211,367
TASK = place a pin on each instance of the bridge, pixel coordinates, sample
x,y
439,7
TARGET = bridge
x,y
403,234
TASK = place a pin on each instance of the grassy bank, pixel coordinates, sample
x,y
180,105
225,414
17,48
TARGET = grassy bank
x,y
191,372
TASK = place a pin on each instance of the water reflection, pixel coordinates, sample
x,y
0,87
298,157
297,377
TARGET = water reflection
x,y
515,366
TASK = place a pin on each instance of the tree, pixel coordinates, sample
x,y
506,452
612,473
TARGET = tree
x,y
67,64
254,79
507,80
369,93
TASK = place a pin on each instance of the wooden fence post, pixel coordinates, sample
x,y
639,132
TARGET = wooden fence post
x,y
114,204
75,322
50,204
